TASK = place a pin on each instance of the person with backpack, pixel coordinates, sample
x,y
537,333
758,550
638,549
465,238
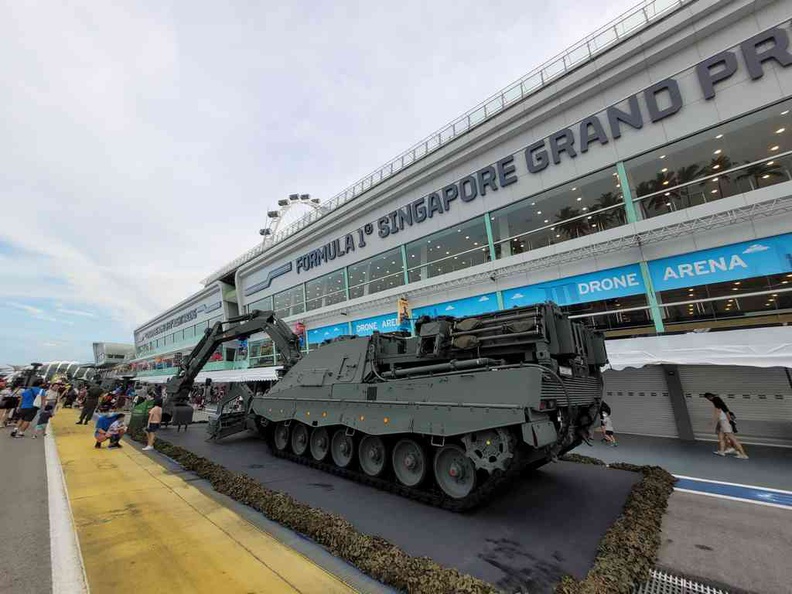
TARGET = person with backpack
x,y
29,405
725,427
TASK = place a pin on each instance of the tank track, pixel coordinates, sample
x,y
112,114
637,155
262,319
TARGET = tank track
x,y
434,497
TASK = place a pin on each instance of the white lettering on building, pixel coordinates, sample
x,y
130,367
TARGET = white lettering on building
x,y
609,284
703,267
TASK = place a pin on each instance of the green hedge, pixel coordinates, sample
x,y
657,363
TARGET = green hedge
x,y
625,556
628,551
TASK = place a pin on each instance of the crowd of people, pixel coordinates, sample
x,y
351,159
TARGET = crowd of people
x,y
21,405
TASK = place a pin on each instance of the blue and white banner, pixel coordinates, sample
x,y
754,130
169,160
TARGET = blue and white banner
x,y
595,286
762,257
318,335
367,326
470,306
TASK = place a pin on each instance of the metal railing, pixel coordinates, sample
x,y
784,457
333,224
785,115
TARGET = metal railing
x,y
621,28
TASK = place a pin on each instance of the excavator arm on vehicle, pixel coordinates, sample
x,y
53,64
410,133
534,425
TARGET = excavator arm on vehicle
x,y
287,342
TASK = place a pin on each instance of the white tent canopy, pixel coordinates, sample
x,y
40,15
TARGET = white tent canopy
x,y
753,347
257,374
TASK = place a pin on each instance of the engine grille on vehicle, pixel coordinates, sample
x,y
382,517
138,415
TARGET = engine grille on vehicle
x,y
582,390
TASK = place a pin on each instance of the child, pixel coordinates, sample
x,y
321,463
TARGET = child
x,y
116,431
43,419
607,429
154,420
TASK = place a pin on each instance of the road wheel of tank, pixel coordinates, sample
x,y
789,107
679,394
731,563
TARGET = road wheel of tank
x,y
280,437
342,449
454,472
409,462
299,439
320,443
372,455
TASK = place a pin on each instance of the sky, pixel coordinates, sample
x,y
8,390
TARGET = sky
x,y
144,142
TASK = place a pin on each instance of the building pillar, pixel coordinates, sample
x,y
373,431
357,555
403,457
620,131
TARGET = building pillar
x,y
678,403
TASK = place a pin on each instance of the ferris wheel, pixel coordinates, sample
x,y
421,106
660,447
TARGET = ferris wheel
x,y
289,211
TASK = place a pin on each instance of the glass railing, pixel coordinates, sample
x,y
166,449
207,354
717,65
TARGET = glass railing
x,y
621,28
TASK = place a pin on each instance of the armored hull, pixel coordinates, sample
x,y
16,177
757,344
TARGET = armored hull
x,y
447,416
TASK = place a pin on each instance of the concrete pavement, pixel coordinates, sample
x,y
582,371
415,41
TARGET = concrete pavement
x,y
25,546
143,528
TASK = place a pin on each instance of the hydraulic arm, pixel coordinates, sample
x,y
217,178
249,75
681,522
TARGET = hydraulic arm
x,y
288,344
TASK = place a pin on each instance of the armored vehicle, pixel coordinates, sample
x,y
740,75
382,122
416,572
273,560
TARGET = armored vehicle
x,y
445,416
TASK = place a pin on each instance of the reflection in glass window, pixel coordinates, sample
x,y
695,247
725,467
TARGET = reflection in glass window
x,y
376,274
618,313
751,152
262,304
325,290
261,353
459,247
290,302
581,207
752,297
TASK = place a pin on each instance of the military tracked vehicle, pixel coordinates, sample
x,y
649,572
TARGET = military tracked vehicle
x,y
446,416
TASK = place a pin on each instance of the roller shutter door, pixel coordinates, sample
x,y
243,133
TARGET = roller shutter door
x,y
639,402
761,399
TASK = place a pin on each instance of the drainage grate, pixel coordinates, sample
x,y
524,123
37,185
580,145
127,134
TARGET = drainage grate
x,y
667,583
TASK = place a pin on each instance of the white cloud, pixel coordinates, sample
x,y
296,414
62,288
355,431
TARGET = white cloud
x,y
757,247
50,344
450,308
33,311
483,298
517,296
144,158
76,312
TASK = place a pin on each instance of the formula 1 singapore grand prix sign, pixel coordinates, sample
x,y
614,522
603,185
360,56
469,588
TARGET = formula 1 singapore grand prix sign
x,y
654,104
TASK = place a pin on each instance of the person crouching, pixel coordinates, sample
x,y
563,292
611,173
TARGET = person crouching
x,y
103,429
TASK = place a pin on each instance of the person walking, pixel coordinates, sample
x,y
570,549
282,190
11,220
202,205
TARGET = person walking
x,y
53,395
153,425
9,400
724,427
42,421
30,402
90,403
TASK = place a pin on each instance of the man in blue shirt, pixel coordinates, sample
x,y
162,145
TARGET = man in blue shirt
x,y
27,408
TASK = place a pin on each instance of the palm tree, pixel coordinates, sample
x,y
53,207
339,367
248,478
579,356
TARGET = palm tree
x,y
601,217
760,171
684,175
663,180
572,229
718,164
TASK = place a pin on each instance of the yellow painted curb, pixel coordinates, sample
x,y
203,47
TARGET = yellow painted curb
x,y
144,529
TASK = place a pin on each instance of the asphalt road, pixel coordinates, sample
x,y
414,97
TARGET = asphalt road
x,y
546,526
730,543
24,516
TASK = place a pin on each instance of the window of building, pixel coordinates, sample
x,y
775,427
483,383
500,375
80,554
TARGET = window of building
x,y
581,207
459,247
189,332
612,314
289,302
382,272
750,298
754,151
325,290
262,354
262,304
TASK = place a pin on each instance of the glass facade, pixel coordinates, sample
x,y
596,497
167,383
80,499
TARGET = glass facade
x,y
289,302
325,290
262,353
749,298
751,152
452,249
581,207
262,304
382,272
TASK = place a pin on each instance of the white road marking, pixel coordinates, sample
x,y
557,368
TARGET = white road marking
x,y
740,499
68,571
695,478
